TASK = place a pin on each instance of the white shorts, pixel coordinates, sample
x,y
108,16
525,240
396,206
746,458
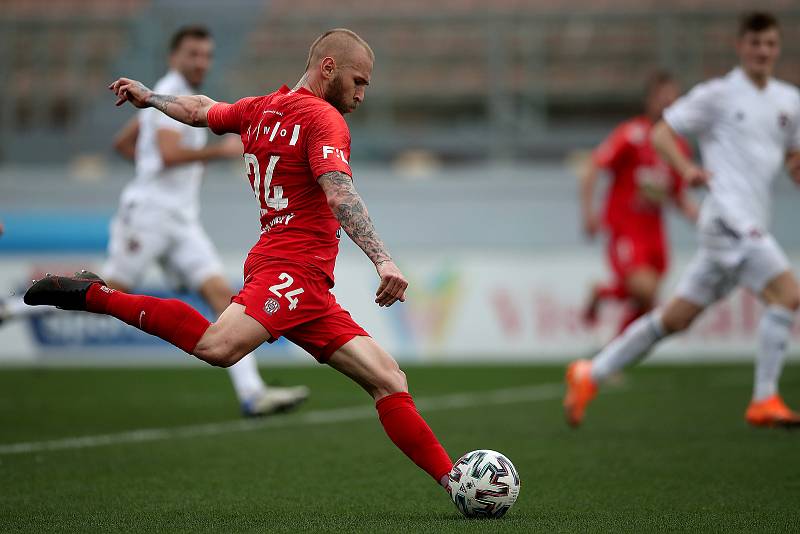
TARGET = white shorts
x,y
726,260
144,235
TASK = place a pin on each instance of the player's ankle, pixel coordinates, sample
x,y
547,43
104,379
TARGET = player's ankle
x,y
97,297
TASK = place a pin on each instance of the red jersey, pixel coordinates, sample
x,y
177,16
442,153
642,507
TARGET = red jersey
x,y
642,181
290,139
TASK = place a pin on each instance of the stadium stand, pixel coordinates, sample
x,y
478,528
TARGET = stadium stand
x,y
532,78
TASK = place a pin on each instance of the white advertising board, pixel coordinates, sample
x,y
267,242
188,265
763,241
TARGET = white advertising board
x,y
462,306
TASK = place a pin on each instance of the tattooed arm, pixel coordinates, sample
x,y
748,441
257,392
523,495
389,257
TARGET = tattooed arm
x,y
190,109
349,209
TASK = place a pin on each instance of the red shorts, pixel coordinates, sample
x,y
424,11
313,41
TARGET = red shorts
x,y
294,301
628,252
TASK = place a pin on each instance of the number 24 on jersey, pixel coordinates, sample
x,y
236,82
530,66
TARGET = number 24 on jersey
x,y
274,195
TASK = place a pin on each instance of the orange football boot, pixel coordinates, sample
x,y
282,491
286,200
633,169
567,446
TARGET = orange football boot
x,y
581,389
771,412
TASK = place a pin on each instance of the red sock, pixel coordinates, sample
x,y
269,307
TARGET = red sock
x,y
412,435
169,319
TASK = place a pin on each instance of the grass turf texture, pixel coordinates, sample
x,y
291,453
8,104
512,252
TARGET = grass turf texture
x,y
669,451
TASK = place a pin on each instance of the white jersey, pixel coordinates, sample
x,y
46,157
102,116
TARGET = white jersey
x,y
175,188
744,133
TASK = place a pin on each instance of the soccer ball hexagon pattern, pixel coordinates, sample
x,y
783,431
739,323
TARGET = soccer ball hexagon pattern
x,y
484,484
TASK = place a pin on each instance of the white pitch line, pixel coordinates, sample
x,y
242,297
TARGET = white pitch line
x,y
317,417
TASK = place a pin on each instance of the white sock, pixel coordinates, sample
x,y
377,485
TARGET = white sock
x,y
245,377
628,347
774,331
15,308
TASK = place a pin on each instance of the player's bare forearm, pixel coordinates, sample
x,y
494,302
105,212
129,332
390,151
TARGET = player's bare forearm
x,y
351,212
688,207
588,180
793,165
174,153
587,183
665,142
352,215
125,140
188,109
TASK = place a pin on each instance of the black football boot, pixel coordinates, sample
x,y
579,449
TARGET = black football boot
x,y
65,292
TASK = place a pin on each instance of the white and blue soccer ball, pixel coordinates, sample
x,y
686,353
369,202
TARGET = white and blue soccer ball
x,y
484,484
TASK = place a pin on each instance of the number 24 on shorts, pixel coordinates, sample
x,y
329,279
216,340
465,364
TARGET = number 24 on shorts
x,y
291,296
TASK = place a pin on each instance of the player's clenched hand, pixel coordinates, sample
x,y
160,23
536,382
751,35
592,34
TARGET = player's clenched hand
x,y
696,176
393,284
128,90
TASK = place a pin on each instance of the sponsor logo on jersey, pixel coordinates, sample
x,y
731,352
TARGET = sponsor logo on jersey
x,y
271,306
339,153
280,219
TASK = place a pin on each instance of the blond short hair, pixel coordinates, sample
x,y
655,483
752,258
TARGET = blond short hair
x,y
328,38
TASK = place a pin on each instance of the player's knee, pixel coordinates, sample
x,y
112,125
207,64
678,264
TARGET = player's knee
x,y
791,301
643,290
226,358
389,381
218,352
674,323
215,356
645,300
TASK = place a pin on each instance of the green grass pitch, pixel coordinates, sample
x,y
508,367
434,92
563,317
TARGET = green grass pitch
x,y
665,451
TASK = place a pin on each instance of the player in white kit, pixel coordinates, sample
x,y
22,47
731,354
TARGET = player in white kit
x,y
158,216
748,128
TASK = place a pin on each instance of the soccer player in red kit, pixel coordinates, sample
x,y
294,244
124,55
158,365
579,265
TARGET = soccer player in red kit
x,y
641,183
297,148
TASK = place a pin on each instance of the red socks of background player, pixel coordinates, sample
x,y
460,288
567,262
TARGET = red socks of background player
x,y
169,319
412,435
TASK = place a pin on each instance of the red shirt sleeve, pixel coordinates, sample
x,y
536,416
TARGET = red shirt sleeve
x,y
328,144
227,118
611,152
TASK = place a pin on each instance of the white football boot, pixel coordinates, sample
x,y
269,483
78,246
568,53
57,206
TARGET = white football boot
x,y
274,400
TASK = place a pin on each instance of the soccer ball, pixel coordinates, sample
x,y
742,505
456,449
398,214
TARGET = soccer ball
x,y
484,484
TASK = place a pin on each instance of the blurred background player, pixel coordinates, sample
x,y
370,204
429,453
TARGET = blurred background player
x,y
297,147
748,127
640,185
158,216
